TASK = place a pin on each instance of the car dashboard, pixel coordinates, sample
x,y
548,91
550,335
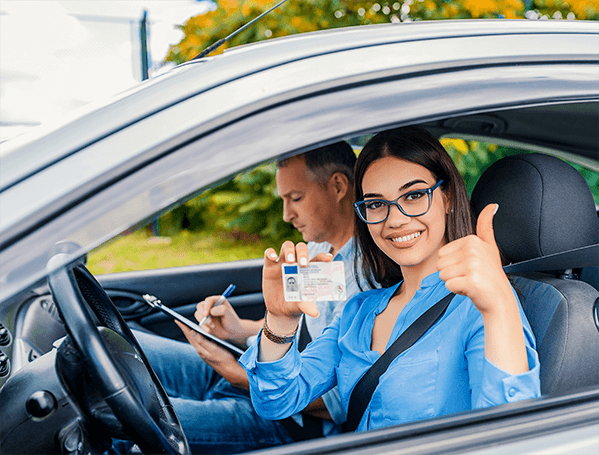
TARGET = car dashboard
x,y
28,332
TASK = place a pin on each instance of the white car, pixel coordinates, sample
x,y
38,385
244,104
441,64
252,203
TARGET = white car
x,y
65,190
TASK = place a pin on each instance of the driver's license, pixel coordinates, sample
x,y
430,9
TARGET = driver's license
x,y
316,281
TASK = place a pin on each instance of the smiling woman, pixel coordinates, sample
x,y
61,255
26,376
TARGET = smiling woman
x,y
478,344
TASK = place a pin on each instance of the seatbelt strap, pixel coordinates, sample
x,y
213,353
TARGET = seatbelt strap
x,y
586,256
304,336
362,393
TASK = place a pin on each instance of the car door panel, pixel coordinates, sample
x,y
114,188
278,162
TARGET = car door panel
x,y
181,288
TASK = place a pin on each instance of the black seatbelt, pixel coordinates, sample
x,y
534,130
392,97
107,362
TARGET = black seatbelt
x,y
362,393
312,425
304,336
586,256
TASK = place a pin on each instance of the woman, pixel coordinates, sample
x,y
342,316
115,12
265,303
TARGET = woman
x,y
414,228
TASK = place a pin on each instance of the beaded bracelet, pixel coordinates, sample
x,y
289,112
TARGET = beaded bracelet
x,y
277,338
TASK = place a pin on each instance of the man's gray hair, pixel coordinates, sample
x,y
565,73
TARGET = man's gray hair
x,y
323,162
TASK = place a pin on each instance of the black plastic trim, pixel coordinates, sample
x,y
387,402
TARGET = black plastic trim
x,y
461,432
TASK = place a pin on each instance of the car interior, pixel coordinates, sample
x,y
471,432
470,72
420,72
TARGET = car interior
x,y
530,191
546,209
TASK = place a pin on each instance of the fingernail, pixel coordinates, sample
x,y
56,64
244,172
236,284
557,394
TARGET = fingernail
x,y
273,255
290,257
496,208
303,261
329,254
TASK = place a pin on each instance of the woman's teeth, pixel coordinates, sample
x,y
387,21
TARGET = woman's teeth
x,y
405,238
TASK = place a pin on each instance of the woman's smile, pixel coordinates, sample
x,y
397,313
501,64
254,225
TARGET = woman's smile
x,y
405,240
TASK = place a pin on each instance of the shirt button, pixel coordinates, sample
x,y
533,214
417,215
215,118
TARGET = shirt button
x,y
512,392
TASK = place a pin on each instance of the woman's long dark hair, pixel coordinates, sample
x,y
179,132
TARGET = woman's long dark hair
x,y
416,145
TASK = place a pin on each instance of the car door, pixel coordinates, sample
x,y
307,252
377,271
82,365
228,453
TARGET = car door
x,y
181,288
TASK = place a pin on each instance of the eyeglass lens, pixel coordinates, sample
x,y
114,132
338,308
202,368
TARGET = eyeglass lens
x,y
414,203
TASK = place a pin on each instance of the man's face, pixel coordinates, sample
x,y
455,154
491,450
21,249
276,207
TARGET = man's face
x,y
311,208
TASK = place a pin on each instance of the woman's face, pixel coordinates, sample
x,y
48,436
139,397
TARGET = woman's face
x,y
409,242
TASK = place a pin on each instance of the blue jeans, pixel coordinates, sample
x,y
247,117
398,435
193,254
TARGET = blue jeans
x,y
216,416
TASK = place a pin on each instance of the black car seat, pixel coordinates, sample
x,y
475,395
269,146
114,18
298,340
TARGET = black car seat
x,y
590,275
546,207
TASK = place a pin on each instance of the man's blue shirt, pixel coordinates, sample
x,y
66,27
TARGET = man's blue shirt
x,y
446,371
329,310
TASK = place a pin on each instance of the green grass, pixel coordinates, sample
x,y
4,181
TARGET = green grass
x,y
141,251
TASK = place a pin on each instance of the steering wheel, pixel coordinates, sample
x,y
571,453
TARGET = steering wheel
x,y
151,423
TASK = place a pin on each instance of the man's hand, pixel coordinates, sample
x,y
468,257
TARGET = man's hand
x,y
224,321
318,409
221,360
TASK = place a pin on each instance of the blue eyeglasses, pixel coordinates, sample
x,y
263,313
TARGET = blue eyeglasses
x,y
414,203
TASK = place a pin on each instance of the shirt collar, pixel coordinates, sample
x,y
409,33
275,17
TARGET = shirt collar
x,y
427,283
431,280
345,251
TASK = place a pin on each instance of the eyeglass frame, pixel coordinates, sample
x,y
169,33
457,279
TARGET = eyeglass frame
x,y
429,192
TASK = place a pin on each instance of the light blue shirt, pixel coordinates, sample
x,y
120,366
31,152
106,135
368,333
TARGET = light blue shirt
x,y
446,371
329,310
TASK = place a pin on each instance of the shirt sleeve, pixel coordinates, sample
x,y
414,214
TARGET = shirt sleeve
x,y
286,386
332,399
490,385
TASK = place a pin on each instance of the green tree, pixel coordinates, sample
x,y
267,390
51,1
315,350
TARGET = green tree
x,y
298,16
244,207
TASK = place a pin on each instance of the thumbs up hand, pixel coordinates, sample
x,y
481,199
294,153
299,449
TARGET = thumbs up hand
x,y
471,266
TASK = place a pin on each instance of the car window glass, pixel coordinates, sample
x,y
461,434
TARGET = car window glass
x,y
240,218
237,220
472,158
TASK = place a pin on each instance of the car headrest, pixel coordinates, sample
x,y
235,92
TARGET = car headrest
x,y
545,206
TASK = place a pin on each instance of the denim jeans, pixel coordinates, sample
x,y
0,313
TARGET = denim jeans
x,y
216,417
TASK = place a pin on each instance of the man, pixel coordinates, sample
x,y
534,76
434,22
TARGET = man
x,y
211,398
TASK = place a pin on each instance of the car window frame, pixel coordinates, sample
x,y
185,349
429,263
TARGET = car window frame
x,y
168,172
469,431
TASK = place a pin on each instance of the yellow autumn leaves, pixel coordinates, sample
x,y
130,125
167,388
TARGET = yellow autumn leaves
x,y
299,16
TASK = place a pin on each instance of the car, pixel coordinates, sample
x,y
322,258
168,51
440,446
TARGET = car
x,y
71,187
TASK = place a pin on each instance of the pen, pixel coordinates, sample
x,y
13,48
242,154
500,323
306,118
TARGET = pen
x,y
220,300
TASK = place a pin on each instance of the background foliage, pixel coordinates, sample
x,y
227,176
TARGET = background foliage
x,y
472,158
298,16
248,207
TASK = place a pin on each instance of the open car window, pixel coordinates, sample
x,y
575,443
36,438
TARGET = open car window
x,y
234,221
472,157
240,218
